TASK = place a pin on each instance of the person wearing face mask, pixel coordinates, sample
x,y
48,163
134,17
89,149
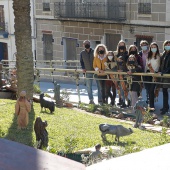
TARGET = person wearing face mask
x,y
144,54
133,67
122,56
86,61
152,66
111,65
98,64
165,69
134,51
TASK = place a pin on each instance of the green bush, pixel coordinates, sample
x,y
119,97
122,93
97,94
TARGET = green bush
x,y
36,89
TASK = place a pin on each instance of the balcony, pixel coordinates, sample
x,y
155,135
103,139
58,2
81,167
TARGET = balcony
x,y
90,10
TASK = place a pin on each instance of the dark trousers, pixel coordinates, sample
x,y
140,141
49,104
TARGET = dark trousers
x,y
151,93
110,86
165,98
102,87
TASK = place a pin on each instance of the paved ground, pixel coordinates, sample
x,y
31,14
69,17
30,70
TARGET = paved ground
x,y
73,89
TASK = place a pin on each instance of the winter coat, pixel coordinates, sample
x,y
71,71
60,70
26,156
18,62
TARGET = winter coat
x,y
165,69
86,60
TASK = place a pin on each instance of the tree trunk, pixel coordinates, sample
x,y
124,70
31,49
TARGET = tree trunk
x,y
24,56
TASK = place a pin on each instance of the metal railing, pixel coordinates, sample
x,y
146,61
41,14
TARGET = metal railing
x,y
91,10
55,68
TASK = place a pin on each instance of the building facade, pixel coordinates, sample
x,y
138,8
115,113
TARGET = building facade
x,y
7,41
7,31
63,25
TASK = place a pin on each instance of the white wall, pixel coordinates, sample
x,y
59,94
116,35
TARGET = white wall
x,y
9,18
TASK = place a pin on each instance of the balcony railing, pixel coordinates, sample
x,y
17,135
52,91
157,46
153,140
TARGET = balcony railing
x,y
91,10
4,30
144,8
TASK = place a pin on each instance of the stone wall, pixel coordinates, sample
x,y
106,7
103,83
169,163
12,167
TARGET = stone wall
x,y
91,31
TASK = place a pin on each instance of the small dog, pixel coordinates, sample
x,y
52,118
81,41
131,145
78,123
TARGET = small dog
x,y
117,130
46,104
41,133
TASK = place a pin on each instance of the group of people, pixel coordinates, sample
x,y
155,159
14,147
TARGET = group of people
x,y
123,60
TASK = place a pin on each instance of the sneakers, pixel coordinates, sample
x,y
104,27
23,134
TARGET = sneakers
x,y
129,103
123,105
152,110
112,102
91,102
142,127
120,102
164,111
135,126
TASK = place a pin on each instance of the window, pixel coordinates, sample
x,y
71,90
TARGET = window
x,y
70,52
144,8
112,41
2,18
46,6
48,46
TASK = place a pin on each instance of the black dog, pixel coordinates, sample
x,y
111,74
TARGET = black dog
x,y
41,133
46,104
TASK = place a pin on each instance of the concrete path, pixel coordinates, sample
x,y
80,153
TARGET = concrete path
x,y
156,158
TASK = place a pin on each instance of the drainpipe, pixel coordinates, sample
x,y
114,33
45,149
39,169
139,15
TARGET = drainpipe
x,y
9,29
34,29
130,8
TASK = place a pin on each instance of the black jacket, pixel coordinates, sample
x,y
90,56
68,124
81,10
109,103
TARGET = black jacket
x,y
165,68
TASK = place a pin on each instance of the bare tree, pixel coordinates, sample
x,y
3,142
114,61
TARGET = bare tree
x,y
24,56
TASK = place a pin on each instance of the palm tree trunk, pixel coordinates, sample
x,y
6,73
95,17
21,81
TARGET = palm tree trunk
x,y
24,56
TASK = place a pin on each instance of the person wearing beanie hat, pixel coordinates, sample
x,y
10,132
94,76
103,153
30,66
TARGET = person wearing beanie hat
x,y
22,108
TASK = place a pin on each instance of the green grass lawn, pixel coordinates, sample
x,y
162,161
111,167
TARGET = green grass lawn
x,y
72,130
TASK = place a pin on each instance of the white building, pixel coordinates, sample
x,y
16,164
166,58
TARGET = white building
x,y
7,32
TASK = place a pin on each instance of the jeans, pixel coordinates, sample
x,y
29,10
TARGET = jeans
x,y
89,84
122,93
99,87
134,97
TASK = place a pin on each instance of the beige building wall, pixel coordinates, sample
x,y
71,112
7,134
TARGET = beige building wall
x,y
153,24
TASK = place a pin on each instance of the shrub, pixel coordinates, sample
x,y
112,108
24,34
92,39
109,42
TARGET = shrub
x,y
36,89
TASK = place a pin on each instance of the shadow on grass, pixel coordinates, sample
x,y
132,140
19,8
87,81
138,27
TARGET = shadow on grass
x,y
22,136
123,144
46,112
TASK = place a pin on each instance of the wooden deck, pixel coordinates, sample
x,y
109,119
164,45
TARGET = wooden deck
x,y
16,156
